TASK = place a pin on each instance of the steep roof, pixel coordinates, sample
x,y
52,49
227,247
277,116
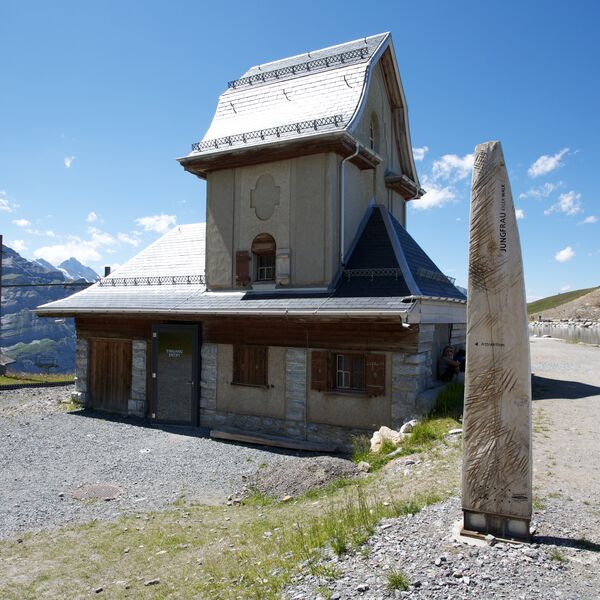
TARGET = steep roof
x,y
314,97
168,278
384,260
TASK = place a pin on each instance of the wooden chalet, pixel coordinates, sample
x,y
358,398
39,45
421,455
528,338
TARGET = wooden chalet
x,y
302,308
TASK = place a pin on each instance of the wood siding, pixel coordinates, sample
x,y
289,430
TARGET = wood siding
x,y
110,374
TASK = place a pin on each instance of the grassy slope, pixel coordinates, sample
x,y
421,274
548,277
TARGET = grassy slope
x,y
225,552
554,301
12,378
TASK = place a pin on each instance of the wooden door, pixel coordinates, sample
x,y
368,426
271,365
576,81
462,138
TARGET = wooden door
x,y
110,375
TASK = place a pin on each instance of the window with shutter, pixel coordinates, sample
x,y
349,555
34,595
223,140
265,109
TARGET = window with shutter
x,y
250,365
242,267
375,374
319,373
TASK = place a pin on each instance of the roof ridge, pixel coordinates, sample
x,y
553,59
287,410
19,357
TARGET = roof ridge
x,y
309,52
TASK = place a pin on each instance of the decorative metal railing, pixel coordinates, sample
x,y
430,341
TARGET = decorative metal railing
x,y
143,281
349,273
230,140
305,67
428,274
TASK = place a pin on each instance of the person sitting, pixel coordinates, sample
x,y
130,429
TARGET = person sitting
x,y
447,366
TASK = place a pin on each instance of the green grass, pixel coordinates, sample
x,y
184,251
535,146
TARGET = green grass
x,y
557,555
12,378
553,301
450,401
424,435
397,580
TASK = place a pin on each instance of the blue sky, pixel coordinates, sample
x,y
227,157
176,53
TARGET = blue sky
x,y
98,99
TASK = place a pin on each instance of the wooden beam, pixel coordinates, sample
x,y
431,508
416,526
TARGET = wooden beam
x,y
277,442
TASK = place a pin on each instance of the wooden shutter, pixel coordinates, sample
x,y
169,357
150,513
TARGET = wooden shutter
x,y
375,374
242,267
318,371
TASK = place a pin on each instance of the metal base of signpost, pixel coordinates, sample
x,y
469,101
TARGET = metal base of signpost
x,y
476,524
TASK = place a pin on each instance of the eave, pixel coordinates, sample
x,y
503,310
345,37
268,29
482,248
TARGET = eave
x,y
404,186
341,143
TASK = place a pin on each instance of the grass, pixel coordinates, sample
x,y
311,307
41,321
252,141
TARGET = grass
x,y
557,555
553,301
12,378
397,580
216,551
450,401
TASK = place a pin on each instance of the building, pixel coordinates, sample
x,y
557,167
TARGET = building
x,y
302,308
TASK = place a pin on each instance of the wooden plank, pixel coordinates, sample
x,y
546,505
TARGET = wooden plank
x,y
266,440
110,374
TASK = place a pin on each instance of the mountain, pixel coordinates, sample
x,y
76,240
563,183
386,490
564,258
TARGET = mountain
x,y
539,307
74,270
23,335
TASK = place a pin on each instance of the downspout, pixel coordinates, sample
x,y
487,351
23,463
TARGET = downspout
x,y
343,201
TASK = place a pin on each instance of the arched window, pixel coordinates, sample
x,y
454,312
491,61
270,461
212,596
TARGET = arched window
x,y
374,133
263,250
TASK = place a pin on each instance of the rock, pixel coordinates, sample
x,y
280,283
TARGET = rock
x,y
98,590
385,433
152,582
408,426
363,466
362,587
455,432
287,497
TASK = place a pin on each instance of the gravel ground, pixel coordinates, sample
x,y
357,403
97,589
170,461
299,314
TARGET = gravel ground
x,y
563,561
437,567
46,454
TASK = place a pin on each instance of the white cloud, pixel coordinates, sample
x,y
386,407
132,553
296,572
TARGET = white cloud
x,y
68,160
565,288
419,153
519,213
92,216
128,239
546,163
564,255
17,245
590,219
83,251
542,191
452,167
21,222
569,204
435,197
158,223
50,233
5,204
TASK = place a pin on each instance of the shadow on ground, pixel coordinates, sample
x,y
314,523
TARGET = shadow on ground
x,y
544,388
578,544
186,430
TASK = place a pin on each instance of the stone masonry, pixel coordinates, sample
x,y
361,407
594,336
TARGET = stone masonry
x,y
137,403
295,392
208,378
81,372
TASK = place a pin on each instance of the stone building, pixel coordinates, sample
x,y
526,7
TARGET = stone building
x,y
302,309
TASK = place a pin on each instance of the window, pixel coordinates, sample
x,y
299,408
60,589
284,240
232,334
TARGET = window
x,y
374,133
264,249
250,365
348,372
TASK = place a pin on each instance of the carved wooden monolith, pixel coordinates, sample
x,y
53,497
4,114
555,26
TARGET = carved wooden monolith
x,y
497,466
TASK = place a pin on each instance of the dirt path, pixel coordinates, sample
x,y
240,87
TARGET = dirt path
x,y
566,419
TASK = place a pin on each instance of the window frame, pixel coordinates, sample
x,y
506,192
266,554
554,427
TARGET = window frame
x,y
243,373
349,370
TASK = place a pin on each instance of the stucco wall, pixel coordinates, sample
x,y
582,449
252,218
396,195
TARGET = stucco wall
x,y
295,201
377,103
248,400
351,410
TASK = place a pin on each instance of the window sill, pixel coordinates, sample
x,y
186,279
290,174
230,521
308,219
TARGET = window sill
x,y
265,386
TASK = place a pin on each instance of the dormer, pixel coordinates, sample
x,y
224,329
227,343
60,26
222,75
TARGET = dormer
x,y
296,152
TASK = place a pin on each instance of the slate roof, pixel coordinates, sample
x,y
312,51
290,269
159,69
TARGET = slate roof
x,y
384,260
167,278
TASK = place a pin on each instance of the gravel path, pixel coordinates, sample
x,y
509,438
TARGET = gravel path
x,y
47,453
564,561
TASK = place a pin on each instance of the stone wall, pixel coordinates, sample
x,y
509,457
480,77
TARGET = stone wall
x,y
137,403
295,391
81,372
208,379
458,337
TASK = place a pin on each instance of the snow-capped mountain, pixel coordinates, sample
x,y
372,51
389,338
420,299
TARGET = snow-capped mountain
x,y
73,269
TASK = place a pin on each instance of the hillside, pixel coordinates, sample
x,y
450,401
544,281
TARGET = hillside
x,y
25,336
579,304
